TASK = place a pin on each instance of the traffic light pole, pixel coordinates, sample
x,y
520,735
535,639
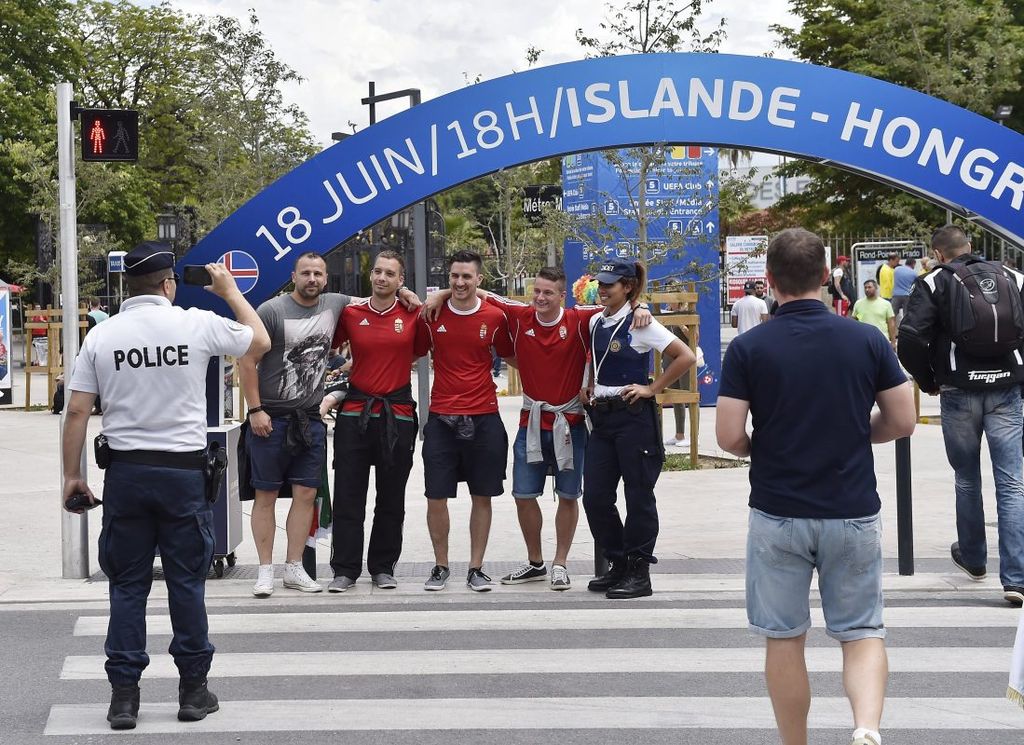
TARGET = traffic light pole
x,y
74,529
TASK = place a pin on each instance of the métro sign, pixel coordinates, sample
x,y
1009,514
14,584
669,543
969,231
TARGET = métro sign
x,y
537,198
923,145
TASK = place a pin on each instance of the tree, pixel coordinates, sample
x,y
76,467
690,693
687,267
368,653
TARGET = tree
x,y
644,27
214,126
33,56
968,52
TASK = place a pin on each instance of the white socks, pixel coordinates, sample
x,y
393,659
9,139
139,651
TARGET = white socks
x,y
865,732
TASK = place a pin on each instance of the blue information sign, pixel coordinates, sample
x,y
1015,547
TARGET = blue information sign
x,y
681,196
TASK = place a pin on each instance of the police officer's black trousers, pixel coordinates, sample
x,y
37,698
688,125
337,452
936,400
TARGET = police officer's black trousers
x,y
626,444
354,453
145,507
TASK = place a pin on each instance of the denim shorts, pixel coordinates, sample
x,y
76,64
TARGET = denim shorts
x,y
782,554
528,478
272,464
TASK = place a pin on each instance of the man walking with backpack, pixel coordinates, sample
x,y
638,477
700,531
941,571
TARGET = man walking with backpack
x,y
961,337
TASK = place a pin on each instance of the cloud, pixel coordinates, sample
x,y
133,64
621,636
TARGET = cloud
x,y
339,46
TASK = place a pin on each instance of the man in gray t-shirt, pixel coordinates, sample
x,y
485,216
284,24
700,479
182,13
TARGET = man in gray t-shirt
x,y
291,374
285,437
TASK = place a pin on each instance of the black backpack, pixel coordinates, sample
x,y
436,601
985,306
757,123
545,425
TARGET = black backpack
x,y
986,316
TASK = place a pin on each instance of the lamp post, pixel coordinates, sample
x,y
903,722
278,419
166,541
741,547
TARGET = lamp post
x,y
1003,112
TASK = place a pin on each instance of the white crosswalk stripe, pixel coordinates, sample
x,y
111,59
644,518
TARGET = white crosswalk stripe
x,y
604,713
544,661
588,618
426,657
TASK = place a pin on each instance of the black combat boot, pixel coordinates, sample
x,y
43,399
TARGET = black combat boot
x,y
616,572
636,583
124,707
194,700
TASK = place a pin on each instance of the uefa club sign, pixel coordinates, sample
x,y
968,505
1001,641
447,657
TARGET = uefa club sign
x,y
928,147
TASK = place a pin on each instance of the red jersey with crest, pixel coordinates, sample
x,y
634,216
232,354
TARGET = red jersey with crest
x,y
384,346
462,342
551,357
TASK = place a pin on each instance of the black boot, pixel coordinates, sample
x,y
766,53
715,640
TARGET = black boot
x,y
195,701
124,707
616,572
636,583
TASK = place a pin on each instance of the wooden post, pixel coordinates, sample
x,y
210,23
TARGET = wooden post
x,y
690,321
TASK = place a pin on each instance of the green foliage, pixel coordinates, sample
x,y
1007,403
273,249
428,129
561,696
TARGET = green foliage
x,y
647,26
486,215
968,52
214,126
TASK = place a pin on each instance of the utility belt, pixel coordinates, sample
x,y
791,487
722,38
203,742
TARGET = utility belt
x,y
212,461
616,403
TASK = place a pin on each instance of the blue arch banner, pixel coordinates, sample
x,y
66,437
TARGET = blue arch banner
x,y
928,147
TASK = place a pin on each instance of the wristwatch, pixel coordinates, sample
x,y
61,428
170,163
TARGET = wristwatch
x,y
253,410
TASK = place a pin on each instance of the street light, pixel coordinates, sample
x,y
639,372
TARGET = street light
x,y
167,228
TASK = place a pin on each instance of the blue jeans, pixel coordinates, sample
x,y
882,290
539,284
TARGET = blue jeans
x,y
997,413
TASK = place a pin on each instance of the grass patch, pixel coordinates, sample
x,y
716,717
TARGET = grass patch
x,y
33,407
681,462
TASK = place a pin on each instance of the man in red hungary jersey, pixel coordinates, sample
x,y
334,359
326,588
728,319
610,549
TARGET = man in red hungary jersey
x,y
376,427
550,344
552,432
464,438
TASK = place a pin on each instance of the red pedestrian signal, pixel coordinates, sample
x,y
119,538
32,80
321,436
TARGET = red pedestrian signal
x,y
110,134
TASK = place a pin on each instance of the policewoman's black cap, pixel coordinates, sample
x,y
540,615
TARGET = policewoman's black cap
x,y
616,269
147,258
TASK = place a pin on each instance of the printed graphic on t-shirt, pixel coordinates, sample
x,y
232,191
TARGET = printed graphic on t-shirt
x,y
306,344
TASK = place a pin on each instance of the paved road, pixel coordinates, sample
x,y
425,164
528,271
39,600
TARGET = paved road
x,y
519,665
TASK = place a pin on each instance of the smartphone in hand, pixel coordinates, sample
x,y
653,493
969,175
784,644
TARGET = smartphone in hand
x,y
80,501
196,274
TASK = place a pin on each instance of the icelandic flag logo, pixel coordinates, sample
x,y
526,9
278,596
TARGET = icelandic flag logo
x,y
243,268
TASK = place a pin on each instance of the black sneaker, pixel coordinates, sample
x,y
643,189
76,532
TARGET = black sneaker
x,y
526,573
1014,595
195,701
975,573
124,707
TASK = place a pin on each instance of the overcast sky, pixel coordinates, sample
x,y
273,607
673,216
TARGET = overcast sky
x,y
340,45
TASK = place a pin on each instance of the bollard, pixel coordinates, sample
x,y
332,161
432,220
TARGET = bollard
x,y
904,508
309,561
600,563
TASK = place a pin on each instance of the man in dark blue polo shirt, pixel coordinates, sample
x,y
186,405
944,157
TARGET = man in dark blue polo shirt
x,y
813,498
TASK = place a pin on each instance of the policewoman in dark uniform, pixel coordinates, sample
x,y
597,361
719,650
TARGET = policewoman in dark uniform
x,y
149,364
626,439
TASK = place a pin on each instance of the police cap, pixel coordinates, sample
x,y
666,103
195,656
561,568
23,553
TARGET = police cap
x,y
616,269
147,258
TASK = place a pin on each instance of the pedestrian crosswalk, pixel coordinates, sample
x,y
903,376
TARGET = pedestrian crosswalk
x,y
540,662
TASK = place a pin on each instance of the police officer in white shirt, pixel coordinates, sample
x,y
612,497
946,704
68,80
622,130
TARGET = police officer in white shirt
x,y
149,364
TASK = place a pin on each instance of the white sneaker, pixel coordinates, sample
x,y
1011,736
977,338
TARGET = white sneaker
x,y
673,442
264,586
295,578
